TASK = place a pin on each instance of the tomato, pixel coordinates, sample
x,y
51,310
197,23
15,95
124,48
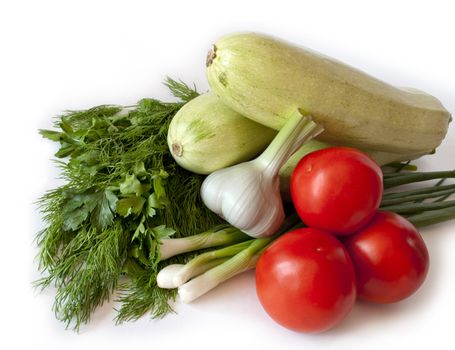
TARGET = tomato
x,y
390,259
305,280
336,189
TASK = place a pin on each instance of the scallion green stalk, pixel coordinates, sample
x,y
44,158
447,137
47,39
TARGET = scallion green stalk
x,y
218,236
407,178
412,196
242,261
190,269
432,217
424,190
410,208
244,256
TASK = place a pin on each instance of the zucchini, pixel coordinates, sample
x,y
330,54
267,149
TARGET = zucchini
x,y
206,135
263,78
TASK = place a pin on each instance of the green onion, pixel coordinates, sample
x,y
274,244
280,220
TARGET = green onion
x,y
242,261
429,189
214,267
414,195
407,178
401,166
190,268
418,207
427,218
217,236
166,277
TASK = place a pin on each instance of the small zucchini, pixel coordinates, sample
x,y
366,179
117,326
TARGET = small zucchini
x,y
206,135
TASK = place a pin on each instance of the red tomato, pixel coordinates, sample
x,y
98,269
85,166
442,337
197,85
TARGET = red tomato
x,y
390,259
305,280
336,189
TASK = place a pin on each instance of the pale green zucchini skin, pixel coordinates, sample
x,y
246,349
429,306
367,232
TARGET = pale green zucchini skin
x,y
206,135
263,78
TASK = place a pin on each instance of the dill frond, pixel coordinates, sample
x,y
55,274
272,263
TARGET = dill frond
x,y
143,296
123,190
181,90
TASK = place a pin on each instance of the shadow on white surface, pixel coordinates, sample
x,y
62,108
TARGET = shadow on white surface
x,y
367,315
226,297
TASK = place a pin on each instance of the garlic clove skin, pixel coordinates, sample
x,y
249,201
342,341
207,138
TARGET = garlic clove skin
x,y
212,190
245,197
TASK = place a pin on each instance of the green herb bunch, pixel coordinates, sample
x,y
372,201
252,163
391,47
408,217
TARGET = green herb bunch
x,y
123,192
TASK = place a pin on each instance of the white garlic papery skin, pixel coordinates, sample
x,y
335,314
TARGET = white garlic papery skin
x,y
246,197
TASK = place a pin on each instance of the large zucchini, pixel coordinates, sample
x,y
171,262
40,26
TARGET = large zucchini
x,y
262,78
206,135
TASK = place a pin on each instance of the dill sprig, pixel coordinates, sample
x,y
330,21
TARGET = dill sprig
x,y
181,90
143,296
123,193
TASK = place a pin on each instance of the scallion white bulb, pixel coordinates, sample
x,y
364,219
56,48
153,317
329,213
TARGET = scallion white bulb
x,y
247,195
165,278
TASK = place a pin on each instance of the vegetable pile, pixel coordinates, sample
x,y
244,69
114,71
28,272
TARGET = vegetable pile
x,y
293,164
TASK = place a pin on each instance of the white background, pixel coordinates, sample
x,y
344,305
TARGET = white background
x,y
57,55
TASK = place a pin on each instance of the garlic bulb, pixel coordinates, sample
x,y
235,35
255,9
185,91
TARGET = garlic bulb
x,y
247,195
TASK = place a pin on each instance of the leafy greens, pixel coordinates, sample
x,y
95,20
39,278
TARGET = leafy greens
x,y
123,192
